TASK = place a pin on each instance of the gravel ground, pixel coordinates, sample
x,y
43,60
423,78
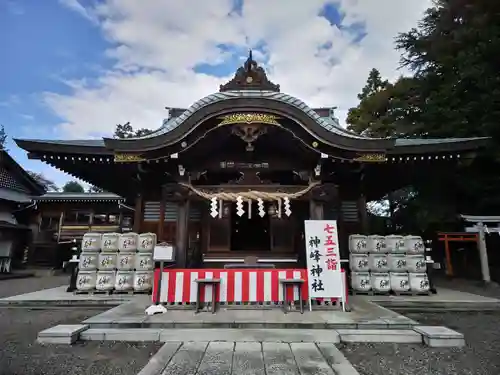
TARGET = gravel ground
x,y
480,356
21,355
14,287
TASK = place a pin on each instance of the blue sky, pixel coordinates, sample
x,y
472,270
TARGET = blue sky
x,y
74,69
45,43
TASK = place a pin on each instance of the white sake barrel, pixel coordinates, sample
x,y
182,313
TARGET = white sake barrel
x,y
86,280
125,261
360,281
91,242
359,262
109,242
127,242
414,244
124,281
397,262
378,263
358,243
381,282
399,281
376,244
107,261
416,263
395,244
144,261
143,280
88,261
105,280
419,282
146,242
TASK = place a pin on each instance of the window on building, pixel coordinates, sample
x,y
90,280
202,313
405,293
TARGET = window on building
x,y
127,223
77,218
106,219
49,222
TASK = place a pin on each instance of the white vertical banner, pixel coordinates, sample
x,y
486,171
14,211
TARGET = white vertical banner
x,y
323,259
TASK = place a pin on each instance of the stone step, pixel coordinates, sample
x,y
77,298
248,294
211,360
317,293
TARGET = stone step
x,y
124,323
252,335
440,337
405,336
174,335
61,334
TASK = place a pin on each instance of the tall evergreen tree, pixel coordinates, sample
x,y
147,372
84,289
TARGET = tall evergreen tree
x,y
454,92
127,131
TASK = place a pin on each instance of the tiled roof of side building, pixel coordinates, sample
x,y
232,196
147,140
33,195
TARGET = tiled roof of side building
x,y
62,196
71,142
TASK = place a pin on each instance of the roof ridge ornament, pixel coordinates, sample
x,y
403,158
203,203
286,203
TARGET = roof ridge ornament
x,y
250,76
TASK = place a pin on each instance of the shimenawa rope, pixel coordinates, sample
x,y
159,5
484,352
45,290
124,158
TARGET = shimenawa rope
x,y
252,194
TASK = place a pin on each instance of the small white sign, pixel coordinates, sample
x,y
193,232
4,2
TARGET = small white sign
x,y
163,253
323,259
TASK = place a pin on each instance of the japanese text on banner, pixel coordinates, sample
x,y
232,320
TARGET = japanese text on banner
x,y
325,278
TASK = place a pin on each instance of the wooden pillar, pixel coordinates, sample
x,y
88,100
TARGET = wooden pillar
x,y
161,220
363,214
483,253
315,210
138,215
181,237
392,207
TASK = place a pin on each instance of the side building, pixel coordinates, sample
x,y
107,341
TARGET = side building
x,y
59,218
17,188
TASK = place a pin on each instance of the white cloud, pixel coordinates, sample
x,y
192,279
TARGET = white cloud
x,y
75,6
157,43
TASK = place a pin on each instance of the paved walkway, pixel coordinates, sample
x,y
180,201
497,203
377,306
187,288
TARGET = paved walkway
x,y
248,358
14,287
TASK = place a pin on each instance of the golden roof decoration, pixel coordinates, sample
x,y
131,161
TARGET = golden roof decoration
x,y
250,76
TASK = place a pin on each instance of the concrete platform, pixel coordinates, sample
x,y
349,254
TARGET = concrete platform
x,y
365,315
59,297
445,299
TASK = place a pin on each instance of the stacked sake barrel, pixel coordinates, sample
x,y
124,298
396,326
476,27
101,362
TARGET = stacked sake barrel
x,y
114,262
394,263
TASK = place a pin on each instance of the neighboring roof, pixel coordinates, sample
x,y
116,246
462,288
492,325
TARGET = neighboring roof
x,y
68,197
480,219
403,142
22,181
7,225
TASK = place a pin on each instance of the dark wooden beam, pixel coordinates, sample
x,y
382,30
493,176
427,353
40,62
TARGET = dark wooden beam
x,y
138,214
161,221
181,237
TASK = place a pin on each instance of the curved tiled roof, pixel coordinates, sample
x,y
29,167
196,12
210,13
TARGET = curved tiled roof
x,y
326,122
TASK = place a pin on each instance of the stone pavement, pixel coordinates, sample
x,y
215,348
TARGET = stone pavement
x,y
59,297
248,358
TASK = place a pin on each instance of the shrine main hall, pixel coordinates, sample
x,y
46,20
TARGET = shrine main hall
x,y
236,174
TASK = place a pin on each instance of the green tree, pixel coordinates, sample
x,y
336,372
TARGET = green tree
x,y
73,187
386,109
3,138
127,131
453,53
49,185
454,92
95,189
